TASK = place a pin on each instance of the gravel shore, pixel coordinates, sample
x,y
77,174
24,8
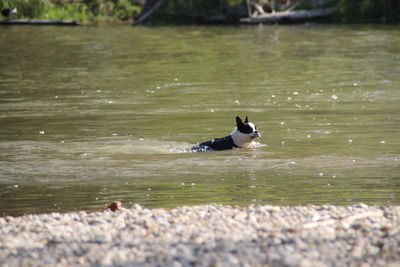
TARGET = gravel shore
x,y
209,235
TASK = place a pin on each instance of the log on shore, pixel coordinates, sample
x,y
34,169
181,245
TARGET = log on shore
x,y
39,22
289,16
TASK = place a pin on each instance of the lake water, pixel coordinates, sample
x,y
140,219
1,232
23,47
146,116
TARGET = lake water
x,y
89,115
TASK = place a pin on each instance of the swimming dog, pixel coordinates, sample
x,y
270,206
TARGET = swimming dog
x,y
242,136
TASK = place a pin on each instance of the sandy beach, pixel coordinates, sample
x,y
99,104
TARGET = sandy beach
x,y
208,235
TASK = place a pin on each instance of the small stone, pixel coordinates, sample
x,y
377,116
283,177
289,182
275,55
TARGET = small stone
x,y
113,206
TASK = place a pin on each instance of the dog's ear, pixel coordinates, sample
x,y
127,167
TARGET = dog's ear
x,y
246,120
239,122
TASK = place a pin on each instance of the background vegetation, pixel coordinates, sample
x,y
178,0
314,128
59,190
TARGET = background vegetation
x,y
178,11
84,11
369,10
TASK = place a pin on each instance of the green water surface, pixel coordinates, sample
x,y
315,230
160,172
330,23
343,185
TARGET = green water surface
x,y
89,115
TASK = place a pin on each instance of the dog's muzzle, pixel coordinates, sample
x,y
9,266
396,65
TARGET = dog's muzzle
x,y
256,134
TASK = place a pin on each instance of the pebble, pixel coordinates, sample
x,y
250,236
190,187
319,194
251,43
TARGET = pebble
x,y
256,235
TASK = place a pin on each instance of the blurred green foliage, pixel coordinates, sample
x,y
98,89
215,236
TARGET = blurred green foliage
x,y
198,10
369,10
84,11
348,10
87,11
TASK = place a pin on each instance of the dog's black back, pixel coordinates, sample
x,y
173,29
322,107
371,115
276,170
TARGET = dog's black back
x,y
222,143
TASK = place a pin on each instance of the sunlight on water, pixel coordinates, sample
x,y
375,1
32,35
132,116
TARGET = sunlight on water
x,y
91,115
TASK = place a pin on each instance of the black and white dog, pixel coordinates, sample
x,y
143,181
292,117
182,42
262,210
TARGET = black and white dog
x,y
242,136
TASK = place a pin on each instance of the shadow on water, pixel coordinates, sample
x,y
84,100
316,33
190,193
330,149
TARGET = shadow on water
x,y
91,115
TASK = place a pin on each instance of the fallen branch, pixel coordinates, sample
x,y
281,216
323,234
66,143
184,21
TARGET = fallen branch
x,y
146,15
259,8
289,16
39,22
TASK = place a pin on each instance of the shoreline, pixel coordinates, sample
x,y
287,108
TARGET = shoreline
x,y
256,235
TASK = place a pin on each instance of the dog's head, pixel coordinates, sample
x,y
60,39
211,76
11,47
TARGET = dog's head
x,y
245,132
